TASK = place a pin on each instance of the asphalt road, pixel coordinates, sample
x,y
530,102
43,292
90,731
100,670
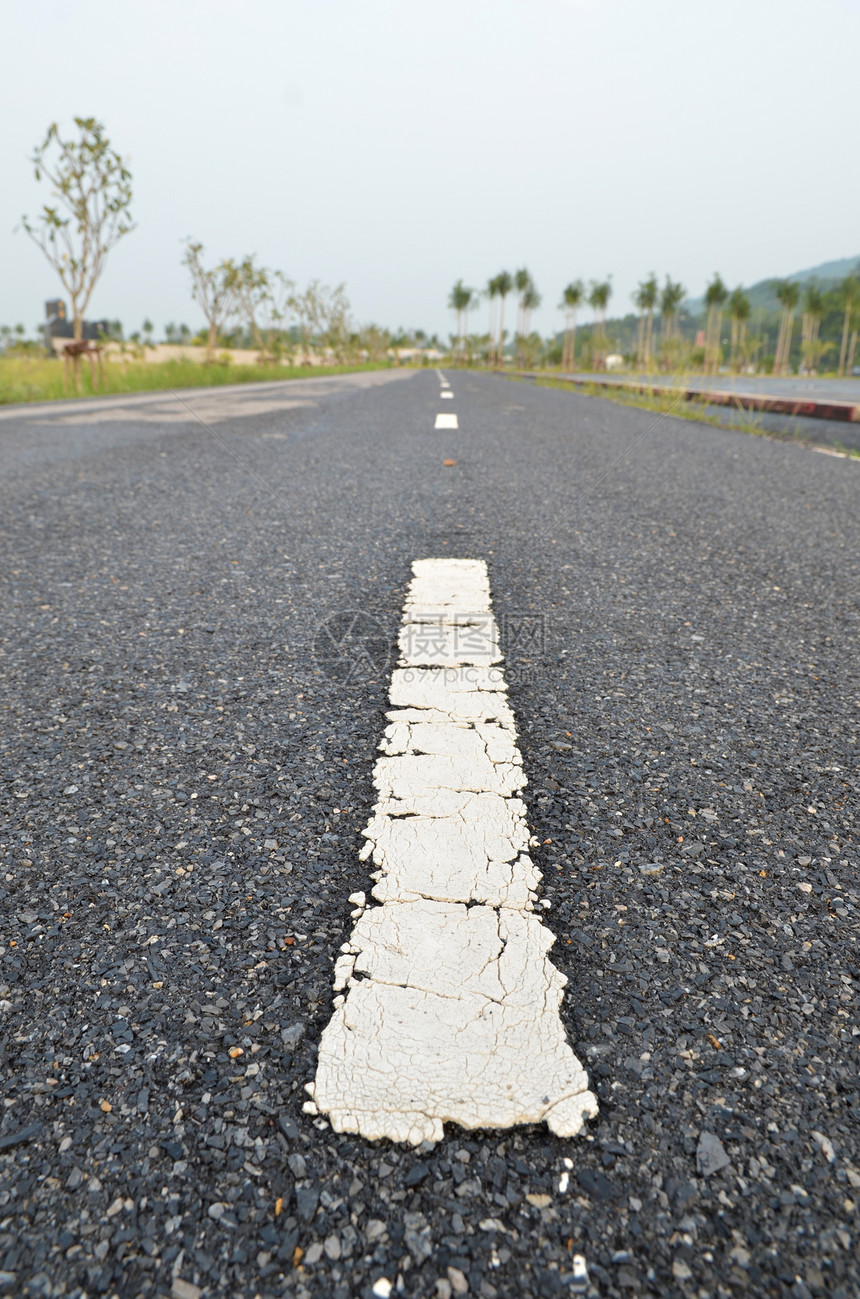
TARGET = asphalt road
x,y
190,720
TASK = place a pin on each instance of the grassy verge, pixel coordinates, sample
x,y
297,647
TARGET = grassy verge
x,y
41,379
691,410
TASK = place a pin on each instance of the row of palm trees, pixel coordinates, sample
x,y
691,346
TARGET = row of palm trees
x,y
719,300
462,300
651,298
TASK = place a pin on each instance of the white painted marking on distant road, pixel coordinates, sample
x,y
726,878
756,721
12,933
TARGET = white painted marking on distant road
x,y
451,1005
446,421
447,395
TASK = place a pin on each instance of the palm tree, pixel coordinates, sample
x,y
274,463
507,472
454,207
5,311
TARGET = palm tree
x,y
531,301
460,300
715,300
522,283
813,310
739,308
492,292
851,300
788,294
598,300
645,298
504,284
571,301
671,298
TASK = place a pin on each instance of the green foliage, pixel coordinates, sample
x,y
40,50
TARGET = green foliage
x,y
460,297
25,380
91,188
716,292
573,296
215,289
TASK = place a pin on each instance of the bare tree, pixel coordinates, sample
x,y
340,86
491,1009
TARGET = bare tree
x,y
215,291
91,188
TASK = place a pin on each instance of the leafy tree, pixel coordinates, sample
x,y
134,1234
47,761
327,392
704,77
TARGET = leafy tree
x,y
265,300
850,294
788,294
572,298
645,298
739,309
177,334
323,317
216,291
375,341
91,189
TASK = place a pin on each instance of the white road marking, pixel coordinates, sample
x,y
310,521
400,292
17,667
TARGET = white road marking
x,y
451,1005
446,421
446,395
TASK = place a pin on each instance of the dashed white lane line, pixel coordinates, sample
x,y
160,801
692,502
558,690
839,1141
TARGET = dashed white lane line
x,y
451,1006
446,395
444,420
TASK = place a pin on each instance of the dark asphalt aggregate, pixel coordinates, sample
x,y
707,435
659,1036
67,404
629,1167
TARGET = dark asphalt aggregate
x,y
186,765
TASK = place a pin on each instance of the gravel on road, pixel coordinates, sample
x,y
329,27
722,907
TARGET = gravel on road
x,y
199,628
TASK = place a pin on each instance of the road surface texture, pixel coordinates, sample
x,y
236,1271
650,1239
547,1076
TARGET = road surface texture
x,y
200,627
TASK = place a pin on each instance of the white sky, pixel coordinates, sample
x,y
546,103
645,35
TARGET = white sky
x,y
398,145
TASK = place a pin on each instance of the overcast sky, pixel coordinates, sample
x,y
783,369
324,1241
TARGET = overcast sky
x,y
397,145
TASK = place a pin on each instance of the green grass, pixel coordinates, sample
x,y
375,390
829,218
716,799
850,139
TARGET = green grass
x,y
25,379
689,410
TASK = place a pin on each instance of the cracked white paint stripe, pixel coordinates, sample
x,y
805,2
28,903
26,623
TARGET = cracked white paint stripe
x,y
446,421
451,1006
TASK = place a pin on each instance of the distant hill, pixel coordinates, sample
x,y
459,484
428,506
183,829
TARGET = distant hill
x,y
761,294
